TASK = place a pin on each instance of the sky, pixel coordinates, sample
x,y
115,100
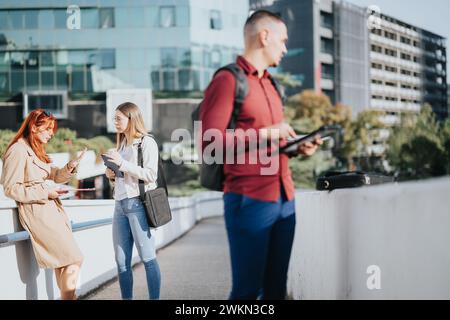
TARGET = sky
x,y
431,15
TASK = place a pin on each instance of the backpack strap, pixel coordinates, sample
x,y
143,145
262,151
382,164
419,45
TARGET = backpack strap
x,y
161,179
280,89
240,92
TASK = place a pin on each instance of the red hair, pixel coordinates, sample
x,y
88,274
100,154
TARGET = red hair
x,y
37,119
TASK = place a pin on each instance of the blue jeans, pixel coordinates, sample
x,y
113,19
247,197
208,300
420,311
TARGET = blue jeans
x,y
260,236
129,226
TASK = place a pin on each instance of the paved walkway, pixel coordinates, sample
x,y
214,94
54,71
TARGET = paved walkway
x,y
195,267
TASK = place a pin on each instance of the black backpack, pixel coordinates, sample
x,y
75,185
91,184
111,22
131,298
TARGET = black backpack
x,y
211,175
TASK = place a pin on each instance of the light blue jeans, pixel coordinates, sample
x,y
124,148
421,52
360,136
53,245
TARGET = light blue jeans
x,y
129,226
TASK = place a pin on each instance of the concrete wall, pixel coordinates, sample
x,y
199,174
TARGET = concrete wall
x,y
403,229
21,278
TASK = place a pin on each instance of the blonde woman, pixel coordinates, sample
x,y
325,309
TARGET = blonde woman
x,y
129,221
26,166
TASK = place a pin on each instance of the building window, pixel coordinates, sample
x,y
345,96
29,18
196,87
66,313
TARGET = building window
x,y
326,45
182,15
89,18
31,19
391,69
377,32
216,58
60,17
4,82
107,58
168,80
106,18
168,57
405,40
326,20
215,20
167,16
377,66
327,72
184,57
405,72
156,83
46,59
46,19
185,82
17,80
390,35
390,52
405,56
376,48
55,102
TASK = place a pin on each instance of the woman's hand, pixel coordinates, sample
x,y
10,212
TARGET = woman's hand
x,y
110,174
56,192
75,162
115,157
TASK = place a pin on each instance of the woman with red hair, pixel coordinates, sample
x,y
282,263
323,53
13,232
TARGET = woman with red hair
x,y
26,166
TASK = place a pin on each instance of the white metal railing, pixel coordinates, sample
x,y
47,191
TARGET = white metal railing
x,y
91,219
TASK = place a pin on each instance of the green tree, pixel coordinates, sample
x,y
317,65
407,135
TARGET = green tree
x,y
359,136
287,80
418,146
306,112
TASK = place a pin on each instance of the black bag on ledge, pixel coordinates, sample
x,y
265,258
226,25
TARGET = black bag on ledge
x,y
156,202
341,180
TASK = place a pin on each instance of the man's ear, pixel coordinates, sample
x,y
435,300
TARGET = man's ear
x,y
263,37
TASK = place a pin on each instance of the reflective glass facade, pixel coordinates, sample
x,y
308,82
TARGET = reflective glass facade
x,y
166,46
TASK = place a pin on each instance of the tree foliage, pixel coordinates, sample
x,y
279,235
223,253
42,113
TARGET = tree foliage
x,y
419,146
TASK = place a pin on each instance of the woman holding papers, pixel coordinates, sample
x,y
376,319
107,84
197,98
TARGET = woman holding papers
x,y
26,166
130,222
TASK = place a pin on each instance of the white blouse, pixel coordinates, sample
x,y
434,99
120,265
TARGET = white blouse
x,y
128,186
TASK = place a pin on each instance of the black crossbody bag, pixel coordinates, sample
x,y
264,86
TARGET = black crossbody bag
x,y
156,202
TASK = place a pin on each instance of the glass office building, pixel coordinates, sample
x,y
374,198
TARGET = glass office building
x,y
49,46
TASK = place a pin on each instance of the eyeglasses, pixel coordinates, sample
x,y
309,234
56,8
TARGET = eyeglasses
x,y
120,119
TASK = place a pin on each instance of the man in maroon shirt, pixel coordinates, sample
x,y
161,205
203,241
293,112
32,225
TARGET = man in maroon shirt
x,y
258,197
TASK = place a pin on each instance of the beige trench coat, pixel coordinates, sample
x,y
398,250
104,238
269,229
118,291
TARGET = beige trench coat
x,y
23,177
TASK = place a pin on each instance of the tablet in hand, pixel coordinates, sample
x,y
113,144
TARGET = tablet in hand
x,y
111,165
323,132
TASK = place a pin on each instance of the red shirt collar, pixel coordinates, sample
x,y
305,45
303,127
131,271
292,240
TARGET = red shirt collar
x,y
249,68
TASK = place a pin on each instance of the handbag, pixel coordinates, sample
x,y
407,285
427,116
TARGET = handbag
x,y
156,202
342,180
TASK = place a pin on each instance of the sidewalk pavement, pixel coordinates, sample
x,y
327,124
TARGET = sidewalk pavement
x,y
194,267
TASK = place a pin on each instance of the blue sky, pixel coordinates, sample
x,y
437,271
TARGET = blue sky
x,y
431,15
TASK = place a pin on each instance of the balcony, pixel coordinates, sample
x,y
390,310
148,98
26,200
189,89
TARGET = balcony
x,y
394,105
326,56
326,83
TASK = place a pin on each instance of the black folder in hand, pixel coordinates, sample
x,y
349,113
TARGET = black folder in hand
x,y
323,132
111,165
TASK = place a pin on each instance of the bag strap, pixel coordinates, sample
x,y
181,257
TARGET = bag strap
x,y
280,89
240,92
161,179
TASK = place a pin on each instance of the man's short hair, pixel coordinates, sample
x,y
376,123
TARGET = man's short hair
x,y
259,15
